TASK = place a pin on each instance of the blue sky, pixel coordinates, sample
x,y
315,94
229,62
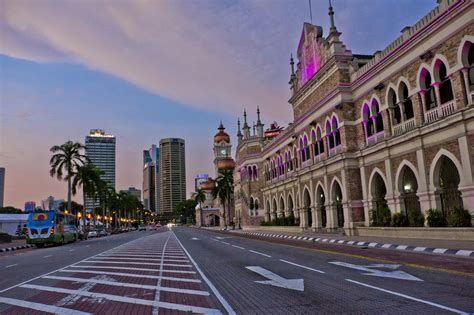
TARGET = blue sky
x,y
150,70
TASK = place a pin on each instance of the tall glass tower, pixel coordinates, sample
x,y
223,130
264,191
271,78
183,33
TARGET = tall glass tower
x,y
100,149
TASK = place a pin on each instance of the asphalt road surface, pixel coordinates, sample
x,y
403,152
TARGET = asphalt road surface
x,y
200,271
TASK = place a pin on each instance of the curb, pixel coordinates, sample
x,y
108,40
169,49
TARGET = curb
x,y
10,249
417,249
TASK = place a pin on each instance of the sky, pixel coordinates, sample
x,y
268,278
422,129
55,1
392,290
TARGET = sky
x,y
146,70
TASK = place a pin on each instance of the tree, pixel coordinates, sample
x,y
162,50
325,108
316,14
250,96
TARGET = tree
x,y
105,194
66,158
224,190
75,207
186,209
10,209
87,176
200,198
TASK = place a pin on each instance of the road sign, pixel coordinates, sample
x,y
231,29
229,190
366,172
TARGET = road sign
x,y
371,271
276,280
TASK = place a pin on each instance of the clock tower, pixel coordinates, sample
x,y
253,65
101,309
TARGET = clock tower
x,y
222,146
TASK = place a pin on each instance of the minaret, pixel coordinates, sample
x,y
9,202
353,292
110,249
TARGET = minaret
x,y
259,124
333,33
253,128
293,75
239,134
246,127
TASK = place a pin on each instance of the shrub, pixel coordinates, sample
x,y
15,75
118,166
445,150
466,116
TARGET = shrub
x,y
460,218
436,218
416,218
383,217
398,220
291,220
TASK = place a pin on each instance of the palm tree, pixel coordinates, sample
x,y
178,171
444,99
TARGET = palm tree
x,y
200,198
66,158
106,195
87,176
224,190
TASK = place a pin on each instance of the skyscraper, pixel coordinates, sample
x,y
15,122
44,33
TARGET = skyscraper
x,y
172,174
2,185
134,192
151,179
100,148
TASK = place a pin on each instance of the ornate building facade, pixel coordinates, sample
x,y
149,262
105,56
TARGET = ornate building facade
x,y
390,130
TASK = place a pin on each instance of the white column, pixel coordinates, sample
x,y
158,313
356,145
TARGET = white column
x,y
465,74
425,196
390,196
467,185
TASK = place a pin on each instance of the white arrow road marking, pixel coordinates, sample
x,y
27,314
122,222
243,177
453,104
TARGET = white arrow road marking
x,y
276,280
397,274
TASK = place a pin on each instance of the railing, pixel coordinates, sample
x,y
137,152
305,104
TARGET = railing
x,y
307,163
335,150
373,139
404,127
439,112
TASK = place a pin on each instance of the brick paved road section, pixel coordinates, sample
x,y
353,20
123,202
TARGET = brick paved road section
x,y
150,275
333,283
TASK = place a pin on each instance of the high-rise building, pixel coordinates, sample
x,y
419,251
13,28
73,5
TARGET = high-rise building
x,y
2,185
30,206
172,174
133,191
151,179
51,204
100,149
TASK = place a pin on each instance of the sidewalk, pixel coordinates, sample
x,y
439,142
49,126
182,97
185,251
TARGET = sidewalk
x,y
443,247
14,245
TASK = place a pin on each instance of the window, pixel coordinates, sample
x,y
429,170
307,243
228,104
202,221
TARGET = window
x,y
406,100
445,88
429,93
392,103
377,115
329,135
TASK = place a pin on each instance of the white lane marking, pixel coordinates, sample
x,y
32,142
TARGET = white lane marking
x,y
137,269
41,307
129,285
124,299
141,259
225,243
132,275
9,266
276,280
369,271
255,252
195,239
134,263
47,256
129,255
155,310
219,296
71,250
239,247
301,266
409,297
56,270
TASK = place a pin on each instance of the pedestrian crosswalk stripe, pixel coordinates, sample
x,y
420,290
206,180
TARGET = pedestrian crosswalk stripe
x,y
41,307
134,263
124,299
141,259
131,275
136,269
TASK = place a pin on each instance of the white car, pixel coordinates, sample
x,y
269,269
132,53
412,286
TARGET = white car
x,y
92,233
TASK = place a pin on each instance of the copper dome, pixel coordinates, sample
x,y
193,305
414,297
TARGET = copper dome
x,y
208,185
221,135
226,164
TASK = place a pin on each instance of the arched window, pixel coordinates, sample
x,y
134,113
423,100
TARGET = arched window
x,y
255,173
428,90
249,172
377,116
314,143
392,104
251,206
329,135
319,138
445,88
302,150
406,101
306,148
335,131
256,204
295,157
470,61
367,121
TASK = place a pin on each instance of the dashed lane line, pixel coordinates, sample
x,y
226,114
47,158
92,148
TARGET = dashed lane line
x,y
239,247
129,285
47,256
255,252
9,266
41,307
214,290
124,299
225,243
131,275
301,266
409,297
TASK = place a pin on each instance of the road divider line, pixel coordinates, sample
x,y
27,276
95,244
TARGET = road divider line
x,y
301,266
409,297
41,307
225,242
239,247
9,266
124,299
47,256
129,285
132,275
255,252
214,290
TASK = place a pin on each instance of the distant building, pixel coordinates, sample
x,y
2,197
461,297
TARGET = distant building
x,y
51,204
151,179
30,206
2,185
172,174
9,222
133,191
100,149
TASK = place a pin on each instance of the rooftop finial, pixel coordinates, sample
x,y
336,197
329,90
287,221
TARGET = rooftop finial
x,y
331,17
292,64
258,115
239,134
245,118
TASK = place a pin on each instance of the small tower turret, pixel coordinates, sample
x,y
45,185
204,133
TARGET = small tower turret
x,y
259,125
246,127
239,134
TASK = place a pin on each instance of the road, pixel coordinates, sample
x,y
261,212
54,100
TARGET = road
x,y
201,271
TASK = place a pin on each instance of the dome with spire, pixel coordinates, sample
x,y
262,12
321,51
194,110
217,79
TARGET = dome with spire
x,y
221,135
208,185
227,163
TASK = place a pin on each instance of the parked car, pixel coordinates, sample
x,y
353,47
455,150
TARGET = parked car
x,y
142,227
92,233
101,232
